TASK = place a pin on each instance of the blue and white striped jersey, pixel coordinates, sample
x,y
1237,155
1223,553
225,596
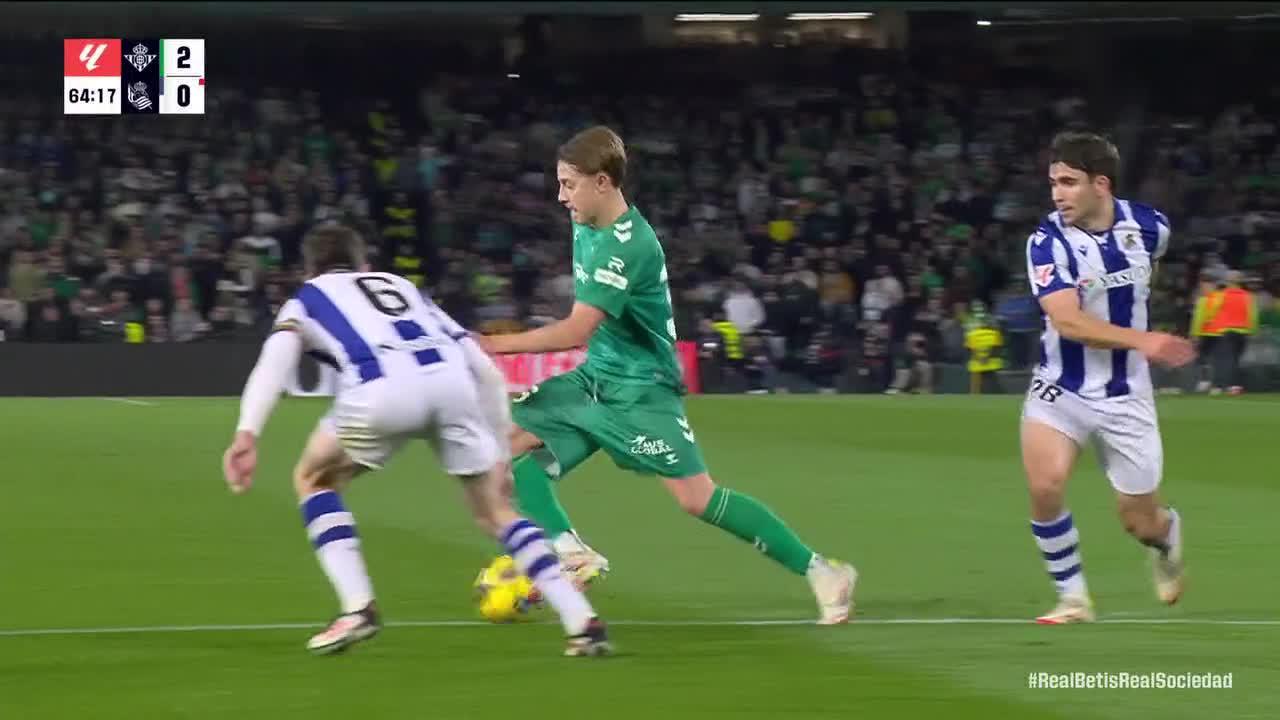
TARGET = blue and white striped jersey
x,y
369,325
1111,273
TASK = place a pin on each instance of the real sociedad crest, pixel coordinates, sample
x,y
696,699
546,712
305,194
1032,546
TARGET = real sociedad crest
x,y
138,96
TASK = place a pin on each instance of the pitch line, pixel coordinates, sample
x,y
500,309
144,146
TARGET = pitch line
x,y
145,629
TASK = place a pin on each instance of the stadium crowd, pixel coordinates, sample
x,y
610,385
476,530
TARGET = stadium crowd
x,y
823,233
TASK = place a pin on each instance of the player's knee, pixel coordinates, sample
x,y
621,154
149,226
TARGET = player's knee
x,y
692,494
1046,484
309,480
523,441
1047,457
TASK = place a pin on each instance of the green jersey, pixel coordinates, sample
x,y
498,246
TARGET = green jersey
x,y
622,270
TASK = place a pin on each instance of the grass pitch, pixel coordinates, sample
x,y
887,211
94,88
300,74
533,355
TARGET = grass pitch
x,y
136,586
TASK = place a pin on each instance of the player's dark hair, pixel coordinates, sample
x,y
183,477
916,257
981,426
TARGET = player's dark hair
x,y
333,247
596,150
1090,153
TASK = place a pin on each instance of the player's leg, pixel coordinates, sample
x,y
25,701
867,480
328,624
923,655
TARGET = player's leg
x,y
469,450
319,478
1132,456
1054,424
750,520
533,555
644,429
548,442
533,481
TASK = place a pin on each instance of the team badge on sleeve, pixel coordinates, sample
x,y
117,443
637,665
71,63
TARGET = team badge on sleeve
x,y
1043,275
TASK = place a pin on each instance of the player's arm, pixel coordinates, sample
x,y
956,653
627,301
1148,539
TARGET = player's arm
x,y
571,332
604,293
1073,323
277,362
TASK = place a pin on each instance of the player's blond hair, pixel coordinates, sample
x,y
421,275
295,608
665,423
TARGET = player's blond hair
x,y
596,150
333,247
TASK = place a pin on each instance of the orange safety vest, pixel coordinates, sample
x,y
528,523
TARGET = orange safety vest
x,y
1233,314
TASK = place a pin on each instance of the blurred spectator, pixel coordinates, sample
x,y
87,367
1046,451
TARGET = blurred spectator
x,y
875,368
731,341
823,361
13,315
1231,314
915,373
185,322
837,290
25,279
758,367
984,342
881,295
743,308
261,247
117,315
1207,298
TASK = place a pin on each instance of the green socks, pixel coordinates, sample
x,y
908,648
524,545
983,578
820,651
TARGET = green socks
x,y
537,498
741,515
749,519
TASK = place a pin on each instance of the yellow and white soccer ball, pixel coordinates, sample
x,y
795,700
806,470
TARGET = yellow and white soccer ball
x,y
502,592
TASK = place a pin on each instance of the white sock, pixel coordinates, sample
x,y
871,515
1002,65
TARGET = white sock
x,y
333,533
1059,544
1174,536
534,557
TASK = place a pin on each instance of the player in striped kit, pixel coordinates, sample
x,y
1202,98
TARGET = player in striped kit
x,y
1090,264
408,371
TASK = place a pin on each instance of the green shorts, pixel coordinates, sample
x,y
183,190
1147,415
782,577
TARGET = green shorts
x,y
643,428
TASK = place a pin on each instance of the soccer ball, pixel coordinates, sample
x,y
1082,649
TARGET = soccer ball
x,y
502,592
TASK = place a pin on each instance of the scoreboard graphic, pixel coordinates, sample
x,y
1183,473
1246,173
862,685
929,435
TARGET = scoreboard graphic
x,y
132,76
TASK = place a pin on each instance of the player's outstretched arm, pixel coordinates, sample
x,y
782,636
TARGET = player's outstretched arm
x,y
276,363
571,332
1064,311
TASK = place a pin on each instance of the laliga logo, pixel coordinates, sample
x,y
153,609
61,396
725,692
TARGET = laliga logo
x,y
90,54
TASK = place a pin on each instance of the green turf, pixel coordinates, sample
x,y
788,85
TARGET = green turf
x,y
116,515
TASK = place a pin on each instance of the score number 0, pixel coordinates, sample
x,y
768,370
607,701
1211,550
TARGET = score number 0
x,y
187,73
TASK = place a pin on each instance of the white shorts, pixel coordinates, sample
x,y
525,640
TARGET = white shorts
x,y
1124,430
373,420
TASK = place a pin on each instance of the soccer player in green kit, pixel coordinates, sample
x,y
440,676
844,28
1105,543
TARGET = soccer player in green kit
x,y
627,398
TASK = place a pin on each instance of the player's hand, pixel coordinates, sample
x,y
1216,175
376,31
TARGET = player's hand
x,y
486,343
239,462
1168,350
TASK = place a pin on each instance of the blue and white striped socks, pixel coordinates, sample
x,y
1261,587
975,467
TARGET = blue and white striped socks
x,y
333,534
1059,544
535,558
